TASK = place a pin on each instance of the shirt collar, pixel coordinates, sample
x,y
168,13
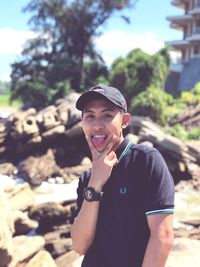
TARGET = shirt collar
x,y
121,147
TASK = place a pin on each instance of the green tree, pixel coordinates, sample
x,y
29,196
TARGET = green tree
x,y
138,70
67,30
94,72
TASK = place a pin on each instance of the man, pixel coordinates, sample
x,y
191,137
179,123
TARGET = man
x,y
125,202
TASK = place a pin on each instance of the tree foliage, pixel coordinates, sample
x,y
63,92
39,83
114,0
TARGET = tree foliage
x,y
192,97
94,72
153,103
66,39
138,70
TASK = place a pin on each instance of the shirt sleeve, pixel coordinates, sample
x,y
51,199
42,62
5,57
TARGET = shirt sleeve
x,y
83,182
159,197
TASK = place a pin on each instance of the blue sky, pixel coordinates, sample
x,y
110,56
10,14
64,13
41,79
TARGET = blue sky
x,y
148,30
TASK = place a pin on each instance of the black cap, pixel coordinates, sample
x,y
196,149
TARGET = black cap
x,y
110,93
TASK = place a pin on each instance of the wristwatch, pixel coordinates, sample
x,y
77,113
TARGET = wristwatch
x,y
90,194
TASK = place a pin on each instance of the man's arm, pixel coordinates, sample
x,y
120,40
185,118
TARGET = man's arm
x,y
160,241
84,227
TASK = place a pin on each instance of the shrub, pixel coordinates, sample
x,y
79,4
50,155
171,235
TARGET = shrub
x,y
153,103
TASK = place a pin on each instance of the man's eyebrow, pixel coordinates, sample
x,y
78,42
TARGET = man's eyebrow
x,y
87,110
104,110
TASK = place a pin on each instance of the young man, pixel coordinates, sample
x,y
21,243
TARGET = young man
x,y
125,202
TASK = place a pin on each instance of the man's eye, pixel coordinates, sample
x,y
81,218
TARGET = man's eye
x,y
107,116
89,116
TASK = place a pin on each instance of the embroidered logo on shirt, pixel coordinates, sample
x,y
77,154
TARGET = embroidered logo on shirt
x,y
123,190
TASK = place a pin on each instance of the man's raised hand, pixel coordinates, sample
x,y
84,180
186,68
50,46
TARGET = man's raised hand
x,y
102,162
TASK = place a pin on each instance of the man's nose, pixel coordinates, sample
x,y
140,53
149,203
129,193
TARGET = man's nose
x,y
98,124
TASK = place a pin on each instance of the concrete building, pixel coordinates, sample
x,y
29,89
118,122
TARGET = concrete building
x,y
186,73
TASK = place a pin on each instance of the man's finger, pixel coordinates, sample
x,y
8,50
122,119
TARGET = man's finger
x,y
91,146
110,144
114,161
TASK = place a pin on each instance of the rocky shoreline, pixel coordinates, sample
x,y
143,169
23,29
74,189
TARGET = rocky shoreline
x,y
42,230
43,153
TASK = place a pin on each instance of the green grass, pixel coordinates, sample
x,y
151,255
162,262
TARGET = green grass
x,y
5,102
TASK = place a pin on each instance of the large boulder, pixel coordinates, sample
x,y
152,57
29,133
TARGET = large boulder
x,y
58,241
42,259
25,247
20,196
49,215
185,252
35,170
6,231
69,259
22,223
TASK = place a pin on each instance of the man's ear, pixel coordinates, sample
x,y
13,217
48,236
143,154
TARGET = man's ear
x,y
126,119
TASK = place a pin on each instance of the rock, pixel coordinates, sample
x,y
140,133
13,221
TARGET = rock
x,y
6,182
183,160
58,129
41,259
7,168
22,223
75,130
72,173
20,197
5,126
52,133
48,215
189,118
133,138
35,170
26,246
46,118
59,247
23,124
69,259
58,231
58,241
195,223
185,252
74,115
6,230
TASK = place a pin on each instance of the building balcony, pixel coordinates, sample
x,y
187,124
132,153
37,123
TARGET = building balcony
x,y
178,22
179,44
179,3
180,18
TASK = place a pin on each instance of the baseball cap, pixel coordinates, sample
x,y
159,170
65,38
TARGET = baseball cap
x,y
110,93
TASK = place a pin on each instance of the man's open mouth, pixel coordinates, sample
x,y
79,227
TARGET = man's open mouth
x,y
98,139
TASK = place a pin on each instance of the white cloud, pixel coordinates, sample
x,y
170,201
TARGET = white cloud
x,y
11,46
12,41
118,43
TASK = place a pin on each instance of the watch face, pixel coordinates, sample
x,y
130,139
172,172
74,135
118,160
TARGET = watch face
x,y
88,194
91,195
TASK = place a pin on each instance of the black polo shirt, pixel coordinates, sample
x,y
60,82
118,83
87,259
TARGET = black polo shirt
x,y
139,186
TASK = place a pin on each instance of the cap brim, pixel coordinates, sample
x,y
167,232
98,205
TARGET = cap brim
x,y
86,97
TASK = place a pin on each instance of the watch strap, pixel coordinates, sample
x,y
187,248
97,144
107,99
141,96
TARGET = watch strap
x,y
90,194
